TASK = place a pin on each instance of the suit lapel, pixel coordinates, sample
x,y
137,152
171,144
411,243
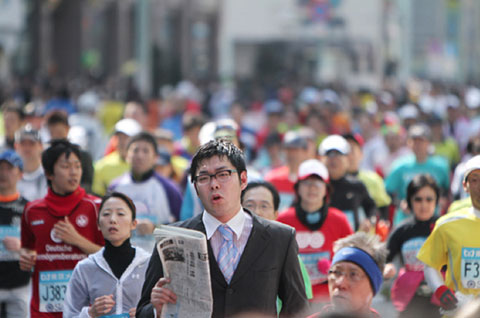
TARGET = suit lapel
x,y
256,244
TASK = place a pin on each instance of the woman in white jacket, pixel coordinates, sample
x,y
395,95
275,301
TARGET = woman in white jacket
x,y
110,281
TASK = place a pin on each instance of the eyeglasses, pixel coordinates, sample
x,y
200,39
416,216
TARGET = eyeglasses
x,y
222,176
420,199
261,207
353,276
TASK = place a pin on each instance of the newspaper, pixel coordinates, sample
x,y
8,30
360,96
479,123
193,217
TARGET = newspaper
x,y
184,256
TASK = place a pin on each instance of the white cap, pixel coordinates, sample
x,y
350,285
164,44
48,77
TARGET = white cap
x,y
426,103
309,95
452,101
78,136
472,97
88,101
206,133
471,165
408,111
312,167
334,142
330,96
128,126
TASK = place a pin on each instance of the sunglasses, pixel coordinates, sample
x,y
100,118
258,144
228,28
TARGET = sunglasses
x,y
420,199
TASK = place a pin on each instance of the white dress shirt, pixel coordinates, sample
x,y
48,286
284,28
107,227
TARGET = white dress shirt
x,y
241,224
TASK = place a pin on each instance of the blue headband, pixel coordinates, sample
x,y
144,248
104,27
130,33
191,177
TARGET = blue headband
x,y
362,259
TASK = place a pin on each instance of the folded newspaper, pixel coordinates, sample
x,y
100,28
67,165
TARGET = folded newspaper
x,y
184,256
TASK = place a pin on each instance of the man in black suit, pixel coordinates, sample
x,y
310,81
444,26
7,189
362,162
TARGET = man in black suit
x,y
261,264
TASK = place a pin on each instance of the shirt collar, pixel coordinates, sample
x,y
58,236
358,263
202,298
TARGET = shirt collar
x,y
28,176
476,212
236,223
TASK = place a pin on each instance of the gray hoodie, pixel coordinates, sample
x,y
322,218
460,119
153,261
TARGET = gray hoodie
x,y
92,278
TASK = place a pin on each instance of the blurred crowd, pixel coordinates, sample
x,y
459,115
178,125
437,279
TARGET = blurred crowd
x,y
353,153
185,116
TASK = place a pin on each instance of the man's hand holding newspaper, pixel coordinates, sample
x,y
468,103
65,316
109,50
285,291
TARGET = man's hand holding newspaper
x,y
161,295
185,290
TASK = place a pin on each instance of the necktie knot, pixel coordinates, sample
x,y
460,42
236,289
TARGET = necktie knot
x,y
226,232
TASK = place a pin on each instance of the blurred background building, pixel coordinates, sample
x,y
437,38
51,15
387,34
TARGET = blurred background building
x,y
151,43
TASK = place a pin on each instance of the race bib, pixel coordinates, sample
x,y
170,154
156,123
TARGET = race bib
x,y
6,255
350,217
470,267
311,264
410,250
52,286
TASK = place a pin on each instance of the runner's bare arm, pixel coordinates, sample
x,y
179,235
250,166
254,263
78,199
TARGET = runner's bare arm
x,y
28,259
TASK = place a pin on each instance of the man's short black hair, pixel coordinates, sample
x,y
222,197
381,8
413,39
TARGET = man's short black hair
x,y
57,117
56,149
143,136
220,148
265,184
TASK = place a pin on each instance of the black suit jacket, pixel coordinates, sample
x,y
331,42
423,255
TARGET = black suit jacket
x,y
268,267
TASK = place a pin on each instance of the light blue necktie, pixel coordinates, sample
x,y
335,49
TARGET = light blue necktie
x,y
228,256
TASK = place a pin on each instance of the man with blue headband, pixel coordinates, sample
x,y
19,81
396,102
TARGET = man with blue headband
x,y
355,275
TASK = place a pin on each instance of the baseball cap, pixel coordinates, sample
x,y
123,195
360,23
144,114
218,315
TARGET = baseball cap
x,y
330,96
88,101
225,128
294,139
356,137
419,131
128,126
385,98
334,142
163,134
273,106
312,167
309,95
471,165
206,132
163,157
408,111
452,101
472,97
12,158
27,133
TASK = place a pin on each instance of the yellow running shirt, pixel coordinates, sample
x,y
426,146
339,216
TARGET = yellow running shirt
x,y
455,242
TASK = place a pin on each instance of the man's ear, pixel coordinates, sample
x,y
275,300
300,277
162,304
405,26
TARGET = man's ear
x,y
466,187
48,176
243,179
